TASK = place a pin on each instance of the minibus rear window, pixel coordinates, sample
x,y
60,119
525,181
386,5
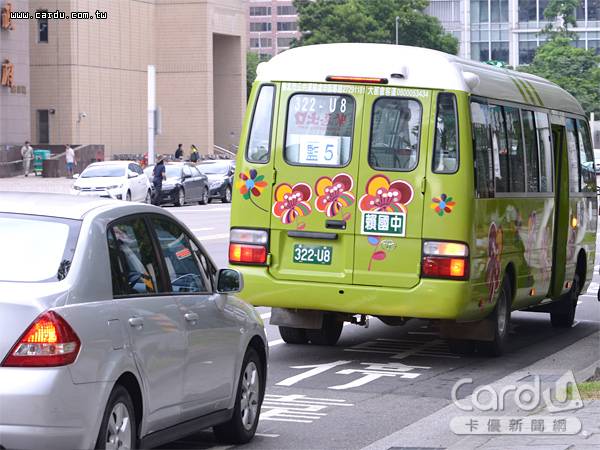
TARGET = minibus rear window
x,y
259,144
319,130
396,127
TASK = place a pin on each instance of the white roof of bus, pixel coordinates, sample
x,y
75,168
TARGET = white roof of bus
x,y
420,67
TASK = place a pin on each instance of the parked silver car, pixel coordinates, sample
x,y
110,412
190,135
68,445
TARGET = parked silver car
x,y
118,330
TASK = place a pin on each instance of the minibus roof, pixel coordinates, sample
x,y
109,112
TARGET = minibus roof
x,y
415,67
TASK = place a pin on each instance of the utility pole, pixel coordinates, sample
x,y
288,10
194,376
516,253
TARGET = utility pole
x,y
397,19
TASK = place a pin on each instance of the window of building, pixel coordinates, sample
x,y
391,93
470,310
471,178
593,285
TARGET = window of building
x,y
499,148
42,30
260,10
484,184
531,151
319,130
527,51
586,158
543,4
262,43
286,10
480,51
573,155
499,11
287,26
516,158
43,126
260,26
445,153
542,126
259,144
499,51
593,10
479,11
284,42
527,10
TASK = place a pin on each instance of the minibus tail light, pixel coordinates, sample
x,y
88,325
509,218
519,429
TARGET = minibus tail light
x,y
448,260
349,79
248,246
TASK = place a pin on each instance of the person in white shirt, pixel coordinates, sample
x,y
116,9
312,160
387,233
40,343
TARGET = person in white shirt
x,y
71,162
27,155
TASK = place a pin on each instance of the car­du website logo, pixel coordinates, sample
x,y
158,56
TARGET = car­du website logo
x,y
539,410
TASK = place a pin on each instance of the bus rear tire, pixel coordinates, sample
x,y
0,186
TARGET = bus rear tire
x,y
500,320
328,334
293,335
564,314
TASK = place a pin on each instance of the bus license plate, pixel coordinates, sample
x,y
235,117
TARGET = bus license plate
x,y
312,254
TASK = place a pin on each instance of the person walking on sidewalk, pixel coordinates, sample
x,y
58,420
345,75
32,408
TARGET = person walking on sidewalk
x,y
27,155
158,175
194,155
71,161
179,152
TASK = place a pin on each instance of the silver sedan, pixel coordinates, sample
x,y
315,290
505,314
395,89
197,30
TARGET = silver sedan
x,y
118,330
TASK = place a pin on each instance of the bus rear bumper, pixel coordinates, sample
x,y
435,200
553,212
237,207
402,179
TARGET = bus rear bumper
x,y
429,299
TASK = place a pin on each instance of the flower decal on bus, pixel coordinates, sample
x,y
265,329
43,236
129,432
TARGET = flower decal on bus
x,y
493,267
292,202
251,184
385,196
442,204
334,194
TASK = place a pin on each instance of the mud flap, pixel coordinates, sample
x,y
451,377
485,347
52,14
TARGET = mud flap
x,y
482,330
296,318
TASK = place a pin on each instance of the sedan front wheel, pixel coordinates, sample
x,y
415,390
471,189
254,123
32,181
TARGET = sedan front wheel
x,y
180,197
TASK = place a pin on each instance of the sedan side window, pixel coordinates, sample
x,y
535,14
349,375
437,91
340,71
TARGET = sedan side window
x,y
187,171
133,263
181,258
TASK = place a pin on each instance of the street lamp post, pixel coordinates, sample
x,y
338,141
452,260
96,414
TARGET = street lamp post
x,y
397,19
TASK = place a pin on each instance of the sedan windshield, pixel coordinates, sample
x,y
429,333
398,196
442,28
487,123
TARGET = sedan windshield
x,y
214,168
173,171
103,171
36,249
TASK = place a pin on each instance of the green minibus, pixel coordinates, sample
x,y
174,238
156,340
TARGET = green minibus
x,y
401,182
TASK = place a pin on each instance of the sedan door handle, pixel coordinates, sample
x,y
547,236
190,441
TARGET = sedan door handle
x,y
191,317
136,322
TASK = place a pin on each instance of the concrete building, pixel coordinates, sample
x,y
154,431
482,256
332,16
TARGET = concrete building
x,y
14,76
272,25
508,30
89,77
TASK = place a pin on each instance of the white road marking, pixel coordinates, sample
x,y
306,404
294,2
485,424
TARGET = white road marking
x,y
593,288
195,230
315,369
266,435
265,315
213,237
297,408
277,342
404,348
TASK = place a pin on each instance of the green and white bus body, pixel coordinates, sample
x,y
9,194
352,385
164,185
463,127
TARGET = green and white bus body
x,y
402,182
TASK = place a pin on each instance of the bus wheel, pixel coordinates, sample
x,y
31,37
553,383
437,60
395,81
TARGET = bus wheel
x,y
293,335
563,315
500,320
328,334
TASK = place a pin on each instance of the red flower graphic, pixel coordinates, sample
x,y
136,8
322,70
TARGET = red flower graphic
x,y
492,275
292,201
333,195
383,195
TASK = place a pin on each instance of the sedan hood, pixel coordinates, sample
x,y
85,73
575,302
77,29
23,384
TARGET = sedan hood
x,y
99,182
216,176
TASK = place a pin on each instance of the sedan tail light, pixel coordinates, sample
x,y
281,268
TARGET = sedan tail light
x,y
448,260
48,342
248,246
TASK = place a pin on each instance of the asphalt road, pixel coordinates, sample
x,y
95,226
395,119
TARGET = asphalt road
x,y
377,379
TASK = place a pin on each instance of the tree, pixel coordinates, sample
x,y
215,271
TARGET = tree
x,y
327,21
252,61
574,69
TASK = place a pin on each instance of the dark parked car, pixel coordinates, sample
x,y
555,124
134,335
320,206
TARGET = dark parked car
x,y
184,184
220,178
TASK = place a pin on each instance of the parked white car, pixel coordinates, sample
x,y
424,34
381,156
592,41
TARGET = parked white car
x,y
121,180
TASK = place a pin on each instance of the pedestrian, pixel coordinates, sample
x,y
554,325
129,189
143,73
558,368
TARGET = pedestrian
x,y
179,152
71,161
158,175
194,155
27,155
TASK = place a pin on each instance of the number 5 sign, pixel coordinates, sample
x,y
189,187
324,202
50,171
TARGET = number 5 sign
x,y
319,150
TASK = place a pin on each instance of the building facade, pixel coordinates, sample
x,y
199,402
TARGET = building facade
x,y
14,76
509,30
272,26
89,78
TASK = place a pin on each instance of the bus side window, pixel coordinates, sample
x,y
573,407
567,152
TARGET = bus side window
x,y
544,144
515,149
573,156
531,151
259,144
445,152
484,183
499,148
586,158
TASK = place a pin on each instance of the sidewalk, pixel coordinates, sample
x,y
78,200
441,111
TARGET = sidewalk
x,y
36,184
433,432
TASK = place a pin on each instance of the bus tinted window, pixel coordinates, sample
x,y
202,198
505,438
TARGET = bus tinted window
x,y
445,153
545,146
515,149
572,155
396,126
499,148
484,183
586,158
319,130
259,144
531,152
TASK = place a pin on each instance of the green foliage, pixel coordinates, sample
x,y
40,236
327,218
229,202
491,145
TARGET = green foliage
x,y
252,61
574,69
328,21
563,10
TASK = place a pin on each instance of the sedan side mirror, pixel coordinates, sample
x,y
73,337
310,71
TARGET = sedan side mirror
x,y
229,281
